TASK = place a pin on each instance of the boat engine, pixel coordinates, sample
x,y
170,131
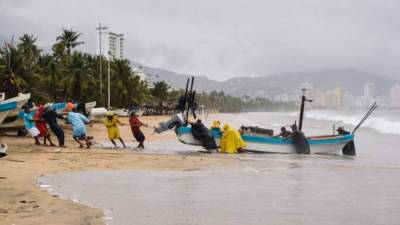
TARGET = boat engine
x,y
175,122
349,148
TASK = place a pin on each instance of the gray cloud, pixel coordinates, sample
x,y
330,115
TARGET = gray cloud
x,y
227,38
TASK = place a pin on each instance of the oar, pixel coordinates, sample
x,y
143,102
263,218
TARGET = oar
x,y
370,111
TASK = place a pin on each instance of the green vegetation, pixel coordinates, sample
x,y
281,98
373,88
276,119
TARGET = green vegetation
x,y
67,74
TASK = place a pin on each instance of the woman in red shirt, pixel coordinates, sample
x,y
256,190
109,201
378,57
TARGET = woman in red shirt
x,y
41,125
135,127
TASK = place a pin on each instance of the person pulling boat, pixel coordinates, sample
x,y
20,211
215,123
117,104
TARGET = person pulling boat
x,y
299,140
231,141
111,123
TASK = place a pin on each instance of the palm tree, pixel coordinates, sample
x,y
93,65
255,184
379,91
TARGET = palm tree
x,y
78,76
29,51
12,70
160,90
51,69
67,41
127,88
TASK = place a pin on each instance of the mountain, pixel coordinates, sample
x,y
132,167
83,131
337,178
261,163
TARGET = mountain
x,y
350,80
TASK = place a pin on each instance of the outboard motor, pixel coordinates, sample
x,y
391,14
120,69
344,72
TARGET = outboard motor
x,y
175,122
349,148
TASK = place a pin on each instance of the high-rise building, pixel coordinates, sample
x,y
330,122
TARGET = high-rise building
x,y
369,89
395,96
339,99
110,44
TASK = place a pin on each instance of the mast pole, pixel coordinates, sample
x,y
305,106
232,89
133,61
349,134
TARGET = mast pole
x,y
303,100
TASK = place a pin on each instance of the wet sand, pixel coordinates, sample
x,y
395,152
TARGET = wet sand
x,y
22,202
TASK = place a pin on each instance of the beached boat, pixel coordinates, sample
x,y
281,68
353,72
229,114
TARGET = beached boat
x,y
12,118
97,114
89,106
3,150
127,112
261,140
330,144
16,121
6,107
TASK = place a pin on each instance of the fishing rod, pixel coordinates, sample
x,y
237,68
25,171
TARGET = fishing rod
x,y
370,111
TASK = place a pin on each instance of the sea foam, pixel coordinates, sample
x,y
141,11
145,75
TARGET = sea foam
x,y
379,123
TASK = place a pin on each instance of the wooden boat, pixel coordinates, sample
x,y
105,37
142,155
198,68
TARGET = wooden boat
x,y
330,144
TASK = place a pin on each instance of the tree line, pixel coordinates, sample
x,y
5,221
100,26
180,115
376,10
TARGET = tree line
x,y
66,74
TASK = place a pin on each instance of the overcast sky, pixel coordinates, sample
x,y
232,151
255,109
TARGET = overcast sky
x,y
226,38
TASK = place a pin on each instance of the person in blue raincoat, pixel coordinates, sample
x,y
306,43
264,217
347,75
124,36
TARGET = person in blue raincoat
x,y
78,121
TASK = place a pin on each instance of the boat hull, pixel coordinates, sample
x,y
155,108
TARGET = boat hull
x,y
5,109
12,118
318,145
15,121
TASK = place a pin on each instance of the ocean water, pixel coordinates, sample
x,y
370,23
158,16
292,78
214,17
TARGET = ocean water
x,y
263,189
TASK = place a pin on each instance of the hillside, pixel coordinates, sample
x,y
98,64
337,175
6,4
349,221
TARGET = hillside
x,y
352,81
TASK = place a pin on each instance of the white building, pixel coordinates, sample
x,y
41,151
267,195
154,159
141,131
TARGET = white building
x,y
395,96
110,43
369,90
143,76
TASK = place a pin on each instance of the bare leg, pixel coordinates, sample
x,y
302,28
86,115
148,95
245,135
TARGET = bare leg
x,y
79,142
123,144
48,138
115,144
44,140
88,143
36,140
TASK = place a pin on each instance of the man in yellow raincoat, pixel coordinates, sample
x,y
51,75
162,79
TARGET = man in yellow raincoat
x,y
111,123
231,141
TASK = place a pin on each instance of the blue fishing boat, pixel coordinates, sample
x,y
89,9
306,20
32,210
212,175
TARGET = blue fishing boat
x,y
12,107
6,108
328,144
263,139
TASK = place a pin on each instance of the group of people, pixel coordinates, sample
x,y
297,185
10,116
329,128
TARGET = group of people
x,y
298,138
231,140
37,125
112,123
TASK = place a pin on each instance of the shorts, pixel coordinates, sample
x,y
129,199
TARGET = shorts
x,y
113,133
139,136
80,137
34,132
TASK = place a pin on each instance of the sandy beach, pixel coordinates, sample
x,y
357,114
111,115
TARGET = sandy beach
x,y
22,202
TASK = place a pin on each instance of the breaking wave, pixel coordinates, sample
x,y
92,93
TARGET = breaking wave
x,y
379,123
